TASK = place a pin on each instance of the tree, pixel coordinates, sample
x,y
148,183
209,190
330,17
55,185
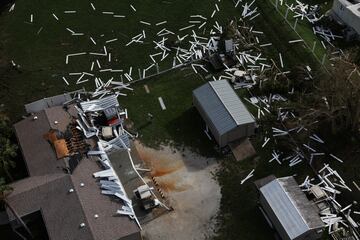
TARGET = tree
x,y
8,150
5,129
335,99
341,94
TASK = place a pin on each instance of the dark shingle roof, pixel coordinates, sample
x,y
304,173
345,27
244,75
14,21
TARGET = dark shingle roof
x,y
38,154
61,210
108,226
47,188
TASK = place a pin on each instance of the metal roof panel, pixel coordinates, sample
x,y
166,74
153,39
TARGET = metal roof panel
x,y
222,105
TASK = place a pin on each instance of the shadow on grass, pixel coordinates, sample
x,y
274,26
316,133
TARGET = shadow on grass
x,y
187,132
239,217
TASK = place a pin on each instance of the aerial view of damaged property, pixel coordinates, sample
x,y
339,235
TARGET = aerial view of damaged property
x,y
179,119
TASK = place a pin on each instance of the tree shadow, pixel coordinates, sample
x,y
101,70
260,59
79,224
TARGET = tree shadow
x,y
187,132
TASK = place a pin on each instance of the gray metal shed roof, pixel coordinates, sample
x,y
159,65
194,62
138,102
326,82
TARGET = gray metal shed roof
x,y
222,105
294,211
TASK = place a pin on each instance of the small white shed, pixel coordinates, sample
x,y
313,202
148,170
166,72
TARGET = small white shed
x,y
224,113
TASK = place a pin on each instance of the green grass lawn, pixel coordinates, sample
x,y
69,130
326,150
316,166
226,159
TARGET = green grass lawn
x,y
180,124
279,34
303,27
41,55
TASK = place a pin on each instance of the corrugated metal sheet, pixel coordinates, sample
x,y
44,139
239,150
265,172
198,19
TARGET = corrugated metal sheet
x,y
222,105
100,104
308,210
293,210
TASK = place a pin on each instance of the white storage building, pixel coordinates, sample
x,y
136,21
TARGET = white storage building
x,y
224,113
288,209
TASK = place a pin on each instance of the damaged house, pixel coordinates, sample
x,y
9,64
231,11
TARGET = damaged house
x,y
71,181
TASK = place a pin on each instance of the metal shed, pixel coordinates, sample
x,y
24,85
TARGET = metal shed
x,y
224,113
288,209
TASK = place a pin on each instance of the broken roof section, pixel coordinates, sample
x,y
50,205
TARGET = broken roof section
x,y
100,104
296,214
72,196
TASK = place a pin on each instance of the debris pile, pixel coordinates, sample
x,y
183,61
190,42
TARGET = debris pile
x,y
102,119
339,220
302,10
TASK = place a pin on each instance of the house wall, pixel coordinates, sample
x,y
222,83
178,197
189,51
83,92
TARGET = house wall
x,y
134,236
205,117
310,235
239,132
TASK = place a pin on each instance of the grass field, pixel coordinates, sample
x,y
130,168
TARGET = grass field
x,y
303,27
294,55
179,124
40,47
41,56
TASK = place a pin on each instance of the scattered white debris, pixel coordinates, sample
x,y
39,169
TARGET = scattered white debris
x,y
162,104
12,8
57,19
133,8
250,175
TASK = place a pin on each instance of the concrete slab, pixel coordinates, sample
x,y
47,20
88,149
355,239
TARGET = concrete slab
x,y
242,149
187,182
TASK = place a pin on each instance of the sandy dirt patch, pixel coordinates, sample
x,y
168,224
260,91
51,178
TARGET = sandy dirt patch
x,y
187,181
